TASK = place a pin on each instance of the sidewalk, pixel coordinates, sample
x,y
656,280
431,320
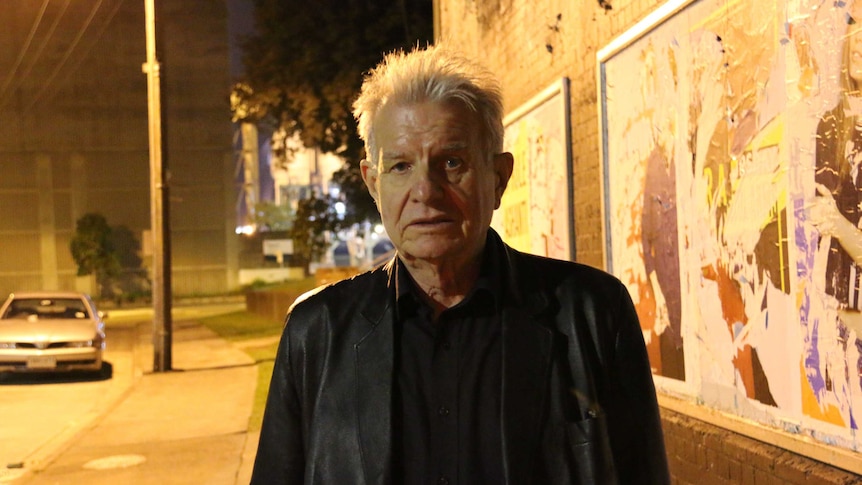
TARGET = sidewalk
x,y
186,426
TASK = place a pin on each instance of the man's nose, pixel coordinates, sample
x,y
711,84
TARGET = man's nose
x,y
427,185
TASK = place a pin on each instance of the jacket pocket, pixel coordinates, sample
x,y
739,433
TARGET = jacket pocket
x,y
590,450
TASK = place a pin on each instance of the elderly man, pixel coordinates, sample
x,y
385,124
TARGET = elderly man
x,y
461,360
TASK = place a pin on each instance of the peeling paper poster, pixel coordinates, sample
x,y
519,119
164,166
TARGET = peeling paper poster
x,y
732,147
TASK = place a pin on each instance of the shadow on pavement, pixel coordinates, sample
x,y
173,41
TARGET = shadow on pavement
x,y
37,378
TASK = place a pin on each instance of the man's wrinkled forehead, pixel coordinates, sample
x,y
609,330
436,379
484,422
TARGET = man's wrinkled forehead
x,y
393,153
462,119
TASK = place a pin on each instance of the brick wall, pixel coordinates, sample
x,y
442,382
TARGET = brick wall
x,y
703,454
532,44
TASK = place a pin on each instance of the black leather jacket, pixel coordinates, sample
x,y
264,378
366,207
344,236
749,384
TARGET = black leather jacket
x,y
578,401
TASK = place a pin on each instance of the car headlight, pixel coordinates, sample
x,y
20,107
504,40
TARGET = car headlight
x,y
81,344
7,345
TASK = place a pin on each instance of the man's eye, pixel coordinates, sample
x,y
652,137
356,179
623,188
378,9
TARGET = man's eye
x,y
453,163
399,167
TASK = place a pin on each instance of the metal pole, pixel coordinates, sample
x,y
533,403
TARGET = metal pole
x,y
159,201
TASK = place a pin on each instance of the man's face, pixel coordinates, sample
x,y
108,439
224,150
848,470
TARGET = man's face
x,y
434,187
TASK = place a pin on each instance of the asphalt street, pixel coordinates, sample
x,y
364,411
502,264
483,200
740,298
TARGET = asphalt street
x,y
132,425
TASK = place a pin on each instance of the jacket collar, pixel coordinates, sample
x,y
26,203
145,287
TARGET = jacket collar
x,y
373,357
527,341
527,350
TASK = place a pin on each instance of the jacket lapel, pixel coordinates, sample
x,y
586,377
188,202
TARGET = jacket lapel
x,y
527,346
374,373
526,358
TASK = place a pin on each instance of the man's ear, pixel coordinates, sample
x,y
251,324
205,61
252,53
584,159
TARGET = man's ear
x,y
369,176
503,166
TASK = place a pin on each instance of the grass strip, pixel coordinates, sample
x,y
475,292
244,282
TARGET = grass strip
x,y
265,358
242,325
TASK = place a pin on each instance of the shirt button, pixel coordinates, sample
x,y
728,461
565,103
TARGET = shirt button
x,y
443,411
442,481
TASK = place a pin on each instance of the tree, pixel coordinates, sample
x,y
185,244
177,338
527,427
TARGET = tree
x,y
272,217
132,281
111,254
304,67
314,217
92,250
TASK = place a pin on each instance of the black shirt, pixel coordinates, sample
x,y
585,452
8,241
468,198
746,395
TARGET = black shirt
x,y
446,423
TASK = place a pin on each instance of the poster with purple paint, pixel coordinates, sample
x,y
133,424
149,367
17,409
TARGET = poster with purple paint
x,y
731,149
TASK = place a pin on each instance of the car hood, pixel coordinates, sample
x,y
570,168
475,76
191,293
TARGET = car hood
x,y
46,330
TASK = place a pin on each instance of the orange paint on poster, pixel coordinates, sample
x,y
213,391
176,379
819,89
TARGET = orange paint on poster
x,y
742,361
732,306
646,310
811,407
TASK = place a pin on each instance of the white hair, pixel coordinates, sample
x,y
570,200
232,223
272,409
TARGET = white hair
x,y
431,74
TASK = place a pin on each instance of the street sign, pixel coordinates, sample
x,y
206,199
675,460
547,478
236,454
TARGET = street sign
x,y
275,247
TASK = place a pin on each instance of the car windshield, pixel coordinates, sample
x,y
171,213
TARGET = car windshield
x,y
46,308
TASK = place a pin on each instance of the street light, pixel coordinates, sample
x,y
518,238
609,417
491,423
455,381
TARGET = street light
x,y
159,203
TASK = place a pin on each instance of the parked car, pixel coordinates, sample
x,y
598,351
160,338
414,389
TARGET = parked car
x,y
51,332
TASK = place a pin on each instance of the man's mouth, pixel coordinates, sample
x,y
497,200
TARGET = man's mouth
x,y
431,222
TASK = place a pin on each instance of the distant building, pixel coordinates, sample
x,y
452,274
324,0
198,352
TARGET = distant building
x,y
307,170
73,101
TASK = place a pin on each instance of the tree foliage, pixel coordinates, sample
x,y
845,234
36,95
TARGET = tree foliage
x,y
133,280
111,254
91,246
304,67
270,216
314,217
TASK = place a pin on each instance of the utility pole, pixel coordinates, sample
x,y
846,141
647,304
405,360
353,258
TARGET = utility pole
x,y
159,202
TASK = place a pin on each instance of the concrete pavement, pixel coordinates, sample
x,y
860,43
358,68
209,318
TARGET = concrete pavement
x,y
187,426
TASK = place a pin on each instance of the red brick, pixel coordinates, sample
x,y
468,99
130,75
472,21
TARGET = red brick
x,y
710,479
735,470
702,457
791,468
746,450
747,475
717,463
686,472
714,440
763,477
823,474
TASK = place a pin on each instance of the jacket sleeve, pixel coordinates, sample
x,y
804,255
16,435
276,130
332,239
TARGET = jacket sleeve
x,y
280,455
635,424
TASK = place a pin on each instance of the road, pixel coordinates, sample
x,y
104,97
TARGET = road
x,y
40,415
